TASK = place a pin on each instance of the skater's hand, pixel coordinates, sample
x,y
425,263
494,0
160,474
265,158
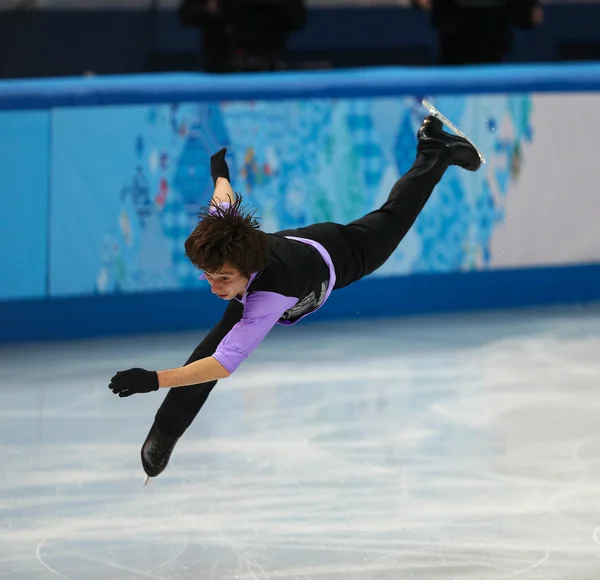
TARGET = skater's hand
x,y
127,383
218,166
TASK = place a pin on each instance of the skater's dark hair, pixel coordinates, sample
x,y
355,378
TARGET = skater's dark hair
x,y
228,235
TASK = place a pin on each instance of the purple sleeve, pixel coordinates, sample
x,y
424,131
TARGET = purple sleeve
x,y
213,209
262,310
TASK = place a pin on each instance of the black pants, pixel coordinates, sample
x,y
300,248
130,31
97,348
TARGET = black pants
x,y
357,249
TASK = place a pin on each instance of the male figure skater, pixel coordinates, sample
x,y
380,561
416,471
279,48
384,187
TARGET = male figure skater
x,y
278,278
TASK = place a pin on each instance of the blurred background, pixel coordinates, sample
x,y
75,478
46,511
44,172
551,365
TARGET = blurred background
x,y
72,37
99,199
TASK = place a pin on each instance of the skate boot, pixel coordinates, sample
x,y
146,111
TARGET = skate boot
x,y
157,450
464,153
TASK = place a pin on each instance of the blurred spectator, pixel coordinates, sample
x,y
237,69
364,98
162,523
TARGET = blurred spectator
x,y
243,35
479,31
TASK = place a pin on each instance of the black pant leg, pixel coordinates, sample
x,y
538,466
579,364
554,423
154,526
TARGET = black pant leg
x,y
362,246
375,236
182,404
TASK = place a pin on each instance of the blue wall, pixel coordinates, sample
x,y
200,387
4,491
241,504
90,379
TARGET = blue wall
x,y
24,175
72,148
85,317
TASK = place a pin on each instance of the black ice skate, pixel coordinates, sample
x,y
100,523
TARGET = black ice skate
x,y
465,153
156,451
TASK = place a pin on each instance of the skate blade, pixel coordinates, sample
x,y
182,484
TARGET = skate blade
x,y
433,111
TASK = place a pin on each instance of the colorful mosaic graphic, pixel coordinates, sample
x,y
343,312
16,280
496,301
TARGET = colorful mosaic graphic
x,y
296,162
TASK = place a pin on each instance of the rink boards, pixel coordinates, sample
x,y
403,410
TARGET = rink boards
x,y
103,178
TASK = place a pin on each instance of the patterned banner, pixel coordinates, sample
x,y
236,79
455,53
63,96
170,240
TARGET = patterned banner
x,y
127,181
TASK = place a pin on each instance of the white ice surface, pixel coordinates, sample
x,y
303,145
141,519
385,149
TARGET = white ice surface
x,y
439,448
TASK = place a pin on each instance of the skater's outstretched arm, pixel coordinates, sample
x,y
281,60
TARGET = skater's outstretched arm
x,y
223,193
138,380
262,310
201,371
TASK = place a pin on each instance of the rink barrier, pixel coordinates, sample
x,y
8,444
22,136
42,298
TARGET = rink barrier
x,y
354,83
36,316
111,315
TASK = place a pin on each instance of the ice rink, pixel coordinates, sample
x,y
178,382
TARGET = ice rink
x,y
430,448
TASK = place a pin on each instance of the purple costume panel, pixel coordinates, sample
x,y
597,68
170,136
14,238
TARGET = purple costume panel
x,y
262,311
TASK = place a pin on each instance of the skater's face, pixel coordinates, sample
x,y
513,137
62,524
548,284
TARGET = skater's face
x,y
227,283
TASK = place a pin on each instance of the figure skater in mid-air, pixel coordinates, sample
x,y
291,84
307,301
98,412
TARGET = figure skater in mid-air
x,y
279,278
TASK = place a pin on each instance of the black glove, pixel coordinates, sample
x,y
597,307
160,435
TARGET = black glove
x,y
218,166
127,383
